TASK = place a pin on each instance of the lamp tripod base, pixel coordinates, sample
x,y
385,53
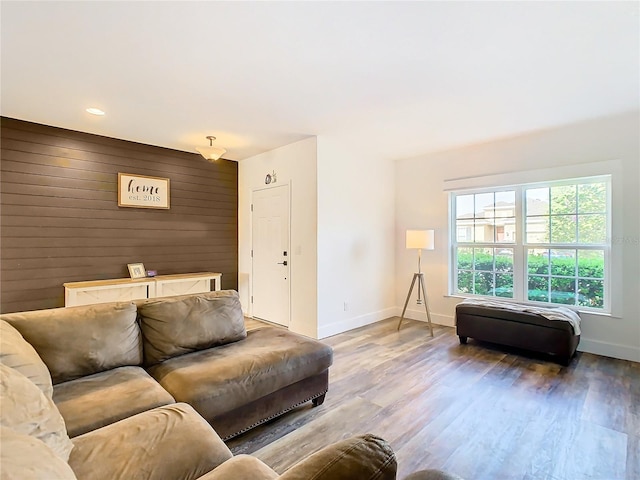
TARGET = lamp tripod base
x,y
421,288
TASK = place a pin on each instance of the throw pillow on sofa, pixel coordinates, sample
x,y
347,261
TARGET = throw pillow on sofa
x,y
24,457
78,341
173,326
27,410
16,352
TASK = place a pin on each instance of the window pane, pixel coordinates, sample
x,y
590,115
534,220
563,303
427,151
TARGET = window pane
x,y
505,204
465,231
563,199
592,228
478,230
499,231
538,288
465,281
504,285
591,293
538,261
504,260
563,262
505,230
563,229
464,206
484,230
537,201
537,229
483,283
465,258
591,263
592,198
483,259
484,205
563,290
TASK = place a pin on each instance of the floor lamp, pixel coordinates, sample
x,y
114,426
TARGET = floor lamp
x,y
420,240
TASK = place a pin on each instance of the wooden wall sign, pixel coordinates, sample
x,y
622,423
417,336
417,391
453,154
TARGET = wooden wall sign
x,y
140,191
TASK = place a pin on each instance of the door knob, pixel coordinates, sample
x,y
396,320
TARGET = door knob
x,y
283,263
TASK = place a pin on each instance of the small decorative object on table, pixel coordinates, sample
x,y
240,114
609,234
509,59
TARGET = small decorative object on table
x,y
136,270
152,273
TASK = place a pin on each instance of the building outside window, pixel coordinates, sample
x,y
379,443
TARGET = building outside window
x,y
544,242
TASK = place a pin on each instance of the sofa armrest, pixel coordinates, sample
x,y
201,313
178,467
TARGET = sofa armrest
x,y
363,457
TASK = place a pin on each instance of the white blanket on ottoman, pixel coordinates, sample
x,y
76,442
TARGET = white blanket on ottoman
x,y
563,314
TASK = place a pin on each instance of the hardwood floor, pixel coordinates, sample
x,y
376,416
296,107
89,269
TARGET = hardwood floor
x,y
475,410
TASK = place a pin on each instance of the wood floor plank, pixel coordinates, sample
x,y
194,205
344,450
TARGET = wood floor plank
x,y
350,418
582,443
633,457
477,410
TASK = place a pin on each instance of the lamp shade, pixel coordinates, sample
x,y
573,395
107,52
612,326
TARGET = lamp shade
x,y
423,239
211,153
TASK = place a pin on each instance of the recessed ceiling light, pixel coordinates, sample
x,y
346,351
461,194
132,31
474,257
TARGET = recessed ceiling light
x,y
95,111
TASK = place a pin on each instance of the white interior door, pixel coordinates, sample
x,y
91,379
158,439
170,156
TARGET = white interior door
x,y
271,255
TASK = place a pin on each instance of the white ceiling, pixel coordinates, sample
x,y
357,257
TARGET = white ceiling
x,y
406,77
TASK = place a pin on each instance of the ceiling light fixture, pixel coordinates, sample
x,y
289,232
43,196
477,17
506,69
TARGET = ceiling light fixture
x,y
211,153
95,111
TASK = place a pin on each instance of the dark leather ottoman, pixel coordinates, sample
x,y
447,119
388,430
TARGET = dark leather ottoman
x,y
525,330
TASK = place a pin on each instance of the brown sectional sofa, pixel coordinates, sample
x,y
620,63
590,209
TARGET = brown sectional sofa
x,y
191,348
89,393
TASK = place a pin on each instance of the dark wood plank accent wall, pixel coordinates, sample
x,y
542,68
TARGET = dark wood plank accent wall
x,y
60,221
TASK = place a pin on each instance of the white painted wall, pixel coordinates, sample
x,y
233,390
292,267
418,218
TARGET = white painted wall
x,y
294,164
422,203
356,225
342,232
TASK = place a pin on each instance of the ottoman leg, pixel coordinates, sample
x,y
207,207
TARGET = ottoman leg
x,y
463,339
318,400
566,361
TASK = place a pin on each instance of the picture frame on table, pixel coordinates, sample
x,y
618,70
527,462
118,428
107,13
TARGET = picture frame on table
x,y
136,270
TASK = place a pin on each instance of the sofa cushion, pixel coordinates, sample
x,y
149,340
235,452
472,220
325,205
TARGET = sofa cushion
x,y
103,398
27,410
170,442
220,379
173,326
24,457
16,352
78,341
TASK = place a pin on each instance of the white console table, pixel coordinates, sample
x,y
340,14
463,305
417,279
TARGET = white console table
x,y
126,289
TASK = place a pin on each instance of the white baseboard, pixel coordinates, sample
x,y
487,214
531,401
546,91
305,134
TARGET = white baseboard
x,y
421,315
613,350
622,352
355,322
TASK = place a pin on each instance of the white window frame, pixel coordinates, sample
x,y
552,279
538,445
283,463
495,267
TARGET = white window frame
x,y
520,246
453,270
